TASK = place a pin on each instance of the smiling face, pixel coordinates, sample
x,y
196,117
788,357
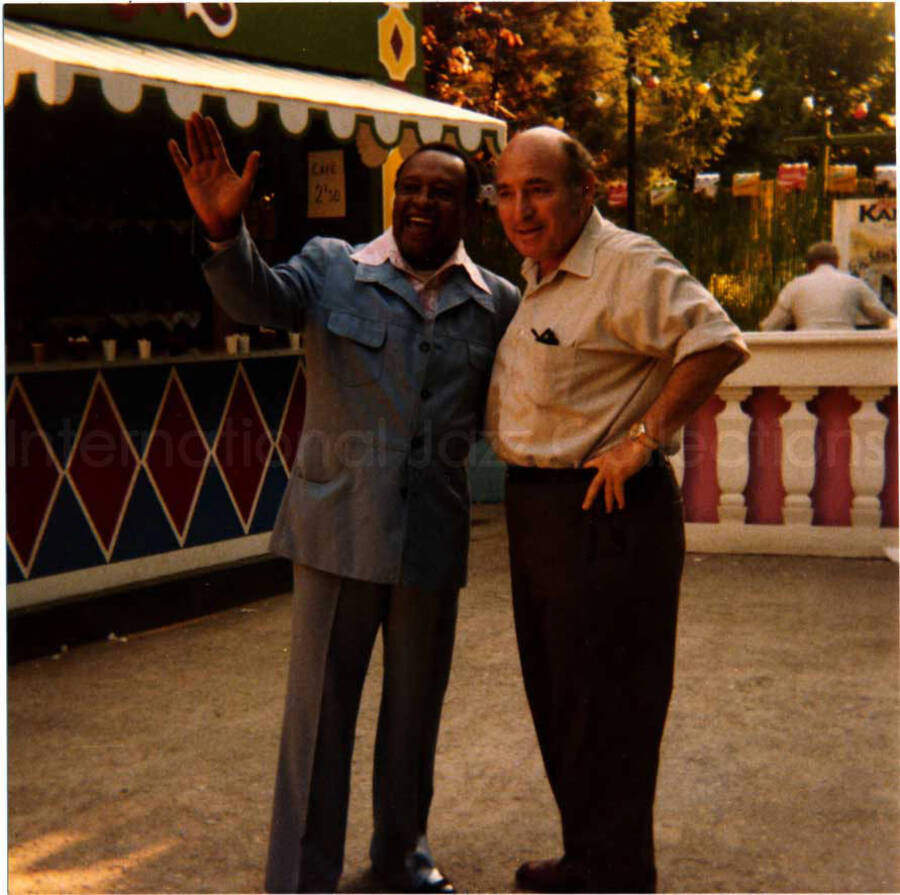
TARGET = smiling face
x,y
541,209
429,208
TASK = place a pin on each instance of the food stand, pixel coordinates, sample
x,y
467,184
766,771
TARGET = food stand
x,y
147,434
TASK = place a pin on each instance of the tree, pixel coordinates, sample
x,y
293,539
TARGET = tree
x,y
839,55
528,63
689,104
564,64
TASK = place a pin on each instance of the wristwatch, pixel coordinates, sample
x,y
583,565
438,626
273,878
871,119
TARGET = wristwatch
x,y
638,432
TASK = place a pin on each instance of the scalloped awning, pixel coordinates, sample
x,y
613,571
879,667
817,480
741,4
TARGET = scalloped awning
x,y
55,56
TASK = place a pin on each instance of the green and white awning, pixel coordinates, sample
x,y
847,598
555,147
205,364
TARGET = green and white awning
x,y
55,56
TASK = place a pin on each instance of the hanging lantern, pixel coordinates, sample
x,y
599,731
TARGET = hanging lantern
x,y
888,120
860,110
703,88
651,81
756,94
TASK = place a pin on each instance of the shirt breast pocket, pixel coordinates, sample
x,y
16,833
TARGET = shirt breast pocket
x,y
546,372
356,348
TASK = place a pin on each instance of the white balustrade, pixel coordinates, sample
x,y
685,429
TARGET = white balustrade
x,y
799,364
732,454
798,455
867,428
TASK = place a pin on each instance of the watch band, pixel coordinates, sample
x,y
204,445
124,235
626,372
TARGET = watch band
x,y
638,432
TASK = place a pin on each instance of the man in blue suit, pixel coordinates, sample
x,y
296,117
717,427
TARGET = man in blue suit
x,y
399,339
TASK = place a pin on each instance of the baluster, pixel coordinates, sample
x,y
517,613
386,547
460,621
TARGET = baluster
x,y
867,428
798,455
732,454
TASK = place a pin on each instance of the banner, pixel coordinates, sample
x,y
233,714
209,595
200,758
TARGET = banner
x,y
706,185
747,183
865,233
886,176
662,192
792,176
617,194
841,178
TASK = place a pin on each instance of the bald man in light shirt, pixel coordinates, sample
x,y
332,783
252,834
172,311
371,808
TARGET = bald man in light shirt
x,y
613,347
826,298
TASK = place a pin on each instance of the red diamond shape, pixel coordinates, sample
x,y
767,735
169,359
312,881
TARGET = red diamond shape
x,y
397,42
103,465
292,422
243,447
177,456
32,478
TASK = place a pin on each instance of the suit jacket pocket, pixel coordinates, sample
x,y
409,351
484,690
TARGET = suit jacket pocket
x,y
356,347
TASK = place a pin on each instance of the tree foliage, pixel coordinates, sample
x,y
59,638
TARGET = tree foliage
x,y
717,84
528,63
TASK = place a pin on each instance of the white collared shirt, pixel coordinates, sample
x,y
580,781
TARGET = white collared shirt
x,y
624,313
426,283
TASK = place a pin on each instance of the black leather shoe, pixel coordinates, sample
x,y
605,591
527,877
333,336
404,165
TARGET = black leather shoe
x,y
424,879
549,875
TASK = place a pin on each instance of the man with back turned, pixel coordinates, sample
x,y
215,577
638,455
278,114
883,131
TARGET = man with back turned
x,y
613,347
399,339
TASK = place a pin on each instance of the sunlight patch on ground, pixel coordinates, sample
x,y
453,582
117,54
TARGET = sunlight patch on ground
x,y
29,873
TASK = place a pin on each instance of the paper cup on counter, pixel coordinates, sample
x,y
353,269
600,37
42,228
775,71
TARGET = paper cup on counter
x,y
109,349
231,343
294,341
244,343
143,349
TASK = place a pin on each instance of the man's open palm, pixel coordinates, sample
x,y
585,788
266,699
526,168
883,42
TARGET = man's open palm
x,y
214,188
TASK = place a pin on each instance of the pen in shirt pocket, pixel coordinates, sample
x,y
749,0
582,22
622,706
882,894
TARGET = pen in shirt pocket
x,y
547,337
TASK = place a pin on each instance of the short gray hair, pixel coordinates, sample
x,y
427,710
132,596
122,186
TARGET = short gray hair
x,y
822,251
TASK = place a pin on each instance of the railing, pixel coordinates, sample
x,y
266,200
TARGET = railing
x,y
797,451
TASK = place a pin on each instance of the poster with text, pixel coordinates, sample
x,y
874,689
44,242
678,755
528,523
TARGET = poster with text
x,y
865,233
327,188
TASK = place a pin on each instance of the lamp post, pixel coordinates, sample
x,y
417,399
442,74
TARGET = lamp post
x,y
631,144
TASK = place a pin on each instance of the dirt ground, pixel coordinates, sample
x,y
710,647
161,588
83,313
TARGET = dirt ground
x,y
146,764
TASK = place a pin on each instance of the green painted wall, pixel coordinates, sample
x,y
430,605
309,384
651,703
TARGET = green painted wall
x,y
339,38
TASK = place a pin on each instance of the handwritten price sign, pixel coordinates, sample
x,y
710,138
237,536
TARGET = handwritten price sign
x,y
327,187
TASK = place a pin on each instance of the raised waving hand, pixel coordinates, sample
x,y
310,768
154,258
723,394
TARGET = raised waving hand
x,y
219,195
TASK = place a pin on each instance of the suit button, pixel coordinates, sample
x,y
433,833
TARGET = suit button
x,y
425,394
424,347
417,441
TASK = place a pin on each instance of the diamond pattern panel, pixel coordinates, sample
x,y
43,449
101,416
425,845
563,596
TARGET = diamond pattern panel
x,y
32,478
243,447
177,456
103,466
114,465
292,423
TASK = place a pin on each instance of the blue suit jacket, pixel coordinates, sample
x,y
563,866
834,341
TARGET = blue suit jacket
x,y
379,489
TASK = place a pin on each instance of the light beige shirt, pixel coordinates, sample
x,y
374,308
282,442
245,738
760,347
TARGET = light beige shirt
x,y
624,312
826,298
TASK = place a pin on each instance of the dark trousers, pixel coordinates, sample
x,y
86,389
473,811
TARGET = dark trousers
x,y
595,596
335,623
